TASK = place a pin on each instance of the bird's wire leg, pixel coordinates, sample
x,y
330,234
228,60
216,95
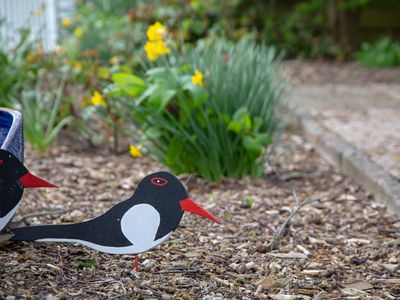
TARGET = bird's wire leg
x,y
136,263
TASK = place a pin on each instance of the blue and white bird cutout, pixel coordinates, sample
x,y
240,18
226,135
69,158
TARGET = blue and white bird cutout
x,y
133,226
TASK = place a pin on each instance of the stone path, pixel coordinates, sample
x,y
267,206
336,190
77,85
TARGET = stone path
x,y
368,117
362,118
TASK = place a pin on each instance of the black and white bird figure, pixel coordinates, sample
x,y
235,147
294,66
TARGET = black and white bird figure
x,y
14,177
133,226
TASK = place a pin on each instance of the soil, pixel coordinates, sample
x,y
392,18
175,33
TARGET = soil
x,y
344,245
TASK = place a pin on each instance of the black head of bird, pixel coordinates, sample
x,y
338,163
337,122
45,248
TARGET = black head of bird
x,y
13,178
12,170
168,196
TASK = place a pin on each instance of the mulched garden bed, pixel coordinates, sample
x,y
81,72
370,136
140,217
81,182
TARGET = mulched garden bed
x,y
345,245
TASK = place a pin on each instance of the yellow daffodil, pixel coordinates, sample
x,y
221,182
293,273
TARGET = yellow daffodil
x,y
66,22
135,151
197,78
97,99
156,32
78,32
155,48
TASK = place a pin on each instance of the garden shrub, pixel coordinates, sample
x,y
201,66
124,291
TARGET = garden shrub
x,y
209,110
299,28
384,53
96,35
41,110
13,70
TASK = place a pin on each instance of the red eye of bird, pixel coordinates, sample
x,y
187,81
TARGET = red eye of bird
x,y
158,181
1,162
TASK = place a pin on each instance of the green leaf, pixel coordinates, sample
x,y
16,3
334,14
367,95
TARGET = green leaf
x,y
252,145
156,72
225,118
197,93
160,98
264,138
174,151
153,133
241,121
248,203
255,144
84,263
235,126
240,125
131,84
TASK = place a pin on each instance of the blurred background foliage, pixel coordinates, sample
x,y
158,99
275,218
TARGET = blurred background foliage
x,y
191,96
308,28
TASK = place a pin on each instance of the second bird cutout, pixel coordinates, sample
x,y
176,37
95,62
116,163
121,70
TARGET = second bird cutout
x,y
133,226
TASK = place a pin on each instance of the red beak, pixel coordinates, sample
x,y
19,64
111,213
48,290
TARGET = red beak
x,y
31,181
191,206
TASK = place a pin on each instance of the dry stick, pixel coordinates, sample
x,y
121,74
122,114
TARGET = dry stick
x,y
277,236
43,213
183,270
187,180
13,225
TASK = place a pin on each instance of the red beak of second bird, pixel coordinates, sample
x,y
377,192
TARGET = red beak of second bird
x,y
31,181
190,206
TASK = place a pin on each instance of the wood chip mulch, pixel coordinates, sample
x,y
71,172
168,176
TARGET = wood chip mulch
x,y
346,245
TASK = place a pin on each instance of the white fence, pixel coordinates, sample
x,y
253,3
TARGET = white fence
x,y
40,16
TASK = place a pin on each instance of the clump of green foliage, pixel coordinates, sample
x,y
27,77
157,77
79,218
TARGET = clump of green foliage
x,y
217,128
98,36
382,54
25,75
41,111
13,73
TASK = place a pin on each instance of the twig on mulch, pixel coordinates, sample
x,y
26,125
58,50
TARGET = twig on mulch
x,y
183,270
295,210
43,213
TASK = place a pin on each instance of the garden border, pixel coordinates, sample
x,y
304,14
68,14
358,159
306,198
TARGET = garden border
x,y
347,159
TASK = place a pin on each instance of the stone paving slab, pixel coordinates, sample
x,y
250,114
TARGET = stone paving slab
x,y
358,131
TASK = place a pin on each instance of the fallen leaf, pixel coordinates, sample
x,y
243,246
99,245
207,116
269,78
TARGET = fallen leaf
x,y
271,282
291,255
311,272
360,285
288,297
84,263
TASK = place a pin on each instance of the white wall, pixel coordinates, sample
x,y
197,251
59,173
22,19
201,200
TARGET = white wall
x,y
42,17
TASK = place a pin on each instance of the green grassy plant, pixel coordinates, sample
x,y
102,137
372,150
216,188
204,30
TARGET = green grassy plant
x,y
13,74
383,54
221,129
42,122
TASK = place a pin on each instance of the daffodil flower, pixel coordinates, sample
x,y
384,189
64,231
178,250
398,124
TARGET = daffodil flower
x,y
198,78
154,49
78,32
156,32
98,100
135,151
66,22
